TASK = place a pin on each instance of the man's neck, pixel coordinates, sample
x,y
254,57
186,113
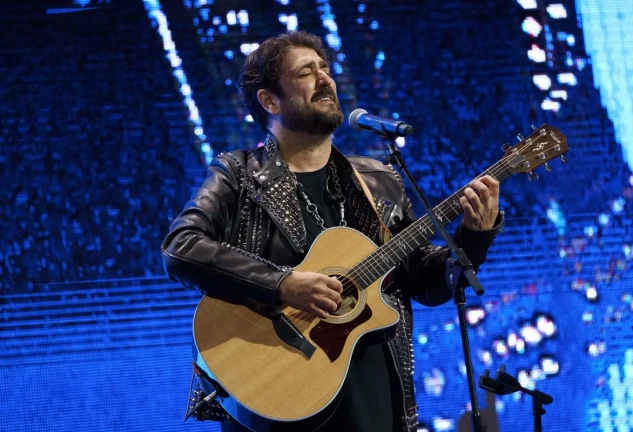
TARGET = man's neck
x,y
303,152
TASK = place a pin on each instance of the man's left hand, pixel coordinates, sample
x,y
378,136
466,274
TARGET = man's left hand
x,y
481,203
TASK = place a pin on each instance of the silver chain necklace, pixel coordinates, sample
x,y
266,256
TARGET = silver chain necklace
x,y
337,195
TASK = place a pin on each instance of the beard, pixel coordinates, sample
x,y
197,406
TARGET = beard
x,y
300,117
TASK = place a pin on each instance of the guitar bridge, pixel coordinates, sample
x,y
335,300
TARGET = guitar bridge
x,y
288,333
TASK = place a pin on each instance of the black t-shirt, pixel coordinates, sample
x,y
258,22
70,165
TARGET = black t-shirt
x,y
371,398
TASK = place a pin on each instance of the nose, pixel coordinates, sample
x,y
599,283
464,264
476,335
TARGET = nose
x,y
324,79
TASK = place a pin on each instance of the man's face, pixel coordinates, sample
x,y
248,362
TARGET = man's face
x,y
308,101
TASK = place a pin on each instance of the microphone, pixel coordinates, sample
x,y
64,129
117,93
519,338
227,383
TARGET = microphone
x,y
359,119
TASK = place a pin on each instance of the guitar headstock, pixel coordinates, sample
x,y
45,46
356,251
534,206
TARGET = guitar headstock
x,y
543,145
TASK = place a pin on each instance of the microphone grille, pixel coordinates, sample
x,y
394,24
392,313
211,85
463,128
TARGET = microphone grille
x,y
353,117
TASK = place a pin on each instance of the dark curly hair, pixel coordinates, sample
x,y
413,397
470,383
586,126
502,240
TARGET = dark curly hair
x,y
262,69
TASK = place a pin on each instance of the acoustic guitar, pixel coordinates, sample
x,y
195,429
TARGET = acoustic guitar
x,y
282,369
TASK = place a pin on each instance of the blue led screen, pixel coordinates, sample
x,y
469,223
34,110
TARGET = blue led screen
x,y
111,110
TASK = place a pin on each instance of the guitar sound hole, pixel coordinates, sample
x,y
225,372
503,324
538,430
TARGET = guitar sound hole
x,y
349,298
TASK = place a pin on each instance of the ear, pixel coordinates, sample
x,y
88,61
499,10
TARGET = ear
x,y
269,101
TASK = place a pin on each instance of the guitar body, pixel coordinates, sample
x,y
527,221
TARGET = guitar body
x,y
284,371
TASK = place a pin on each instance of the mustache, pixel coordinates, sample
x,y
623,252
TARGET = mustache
x,y
325,92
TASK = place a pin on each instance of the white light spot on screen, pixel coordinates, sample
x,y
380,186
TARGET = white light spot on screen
x,y
571,40
531,335
536,54
512,339
557,11
475,315
231,18
520,346
558,94
330,24
592,293
442,424
603,219
242,18
546,326
500,347
618,205
567,78
550,105
333,41
247,48
527,4
531,26
549,366
542,81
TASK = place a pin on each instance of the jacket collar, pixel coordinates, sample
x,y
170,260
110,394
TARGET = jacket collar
x,y
275,167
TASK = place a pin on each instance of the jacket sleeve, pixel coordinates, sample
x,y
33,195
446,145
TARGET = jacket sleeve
x,y
422,274
196,251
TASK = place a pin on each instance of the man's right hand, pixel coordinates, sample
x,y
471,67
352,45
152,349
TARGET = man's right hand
x,y
311,292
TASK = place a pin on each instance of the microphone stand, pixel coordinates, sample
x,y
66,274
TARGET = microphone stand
x,y
505,384
458,269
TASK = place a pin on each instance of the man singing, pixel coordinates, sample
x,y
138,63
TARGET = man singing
x,y
258,211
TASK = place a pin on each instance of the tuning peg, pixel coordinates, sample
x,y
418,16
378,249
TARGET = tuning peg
x,y
547,167
520,137
563,158
534,127
532,176
505,147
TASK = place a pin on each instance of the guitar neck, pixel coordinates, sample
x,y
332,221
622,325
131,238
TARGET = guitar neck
x,y
379,262
540,146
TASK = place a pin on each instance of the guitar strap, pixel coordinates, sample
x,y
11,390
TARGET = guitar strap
x,y
410,417
385,235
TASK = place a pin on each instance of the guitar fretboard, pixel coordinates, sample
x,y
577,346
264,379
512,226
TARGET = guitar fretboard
x,y
379,262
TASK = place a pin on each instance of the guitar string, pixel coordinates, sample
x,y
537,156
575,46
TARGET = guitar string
x,y
350,277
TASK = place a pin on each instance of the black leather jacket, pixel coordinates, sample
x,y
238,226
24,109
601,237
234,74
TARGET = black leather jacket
x,y
243,229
